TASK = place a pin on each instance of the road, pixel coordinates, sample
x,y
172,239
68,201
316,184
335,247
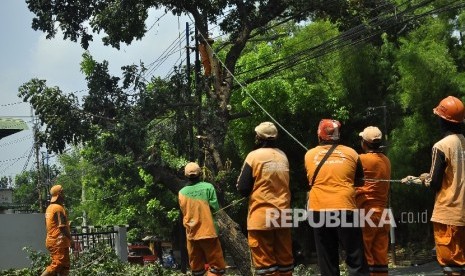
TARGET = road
x,y
430,269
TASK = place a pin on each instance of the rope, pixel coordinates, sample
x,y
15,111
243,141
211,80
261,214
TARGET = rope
x,y
248,94
407,181
234,202
382,180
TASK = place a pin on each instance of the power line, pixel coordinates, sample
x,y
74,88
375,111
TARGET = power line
x,y
334,44
28,159
360,32
16,141
253,98
15,160
11,104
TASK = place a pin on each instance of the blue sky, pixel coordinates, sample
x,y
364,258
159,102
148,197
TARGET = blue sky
x,y
26,54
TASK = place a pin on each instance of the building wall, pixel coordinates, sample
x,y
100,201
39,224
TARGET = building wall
x,y
6,195
18,231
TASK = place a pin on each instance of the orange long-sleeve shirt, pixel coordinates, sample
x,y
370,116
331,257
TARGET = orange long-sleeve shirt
x,y
374,193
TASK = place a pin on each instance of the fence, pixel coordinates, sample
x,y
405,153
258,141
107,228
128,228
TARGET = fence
x,y
87,237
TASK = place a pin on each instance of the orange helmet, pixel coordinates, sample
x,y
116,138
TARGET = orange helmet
x,y
450,109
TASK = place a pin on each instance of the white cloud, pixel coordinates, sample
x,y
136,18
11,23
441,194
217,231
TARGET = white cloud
x,y
27,54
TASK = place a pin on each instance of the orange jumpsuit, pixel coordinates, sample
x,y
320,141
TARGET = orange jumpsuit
x,y
203,245
447,179
56,242
333,192
265,177
373,195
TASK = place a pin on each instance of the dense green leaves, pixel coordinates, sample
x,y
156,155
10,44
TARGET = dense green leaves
x,y
361,64
96,261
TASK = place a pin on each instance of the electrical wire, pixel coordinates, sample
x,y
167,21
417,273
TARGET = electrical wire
x,y
253,98
361,32
28,160
334,44
11,104
15,160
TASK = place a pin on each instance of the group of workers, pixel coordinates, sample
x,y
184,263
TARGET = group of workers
x,y
339,179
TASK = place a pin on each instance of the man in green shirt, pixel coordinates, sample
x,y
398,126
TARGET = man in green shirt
x,y
197,201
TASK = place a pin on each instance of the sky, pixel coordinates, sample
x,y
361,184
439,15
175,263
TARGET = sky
x,y
27,54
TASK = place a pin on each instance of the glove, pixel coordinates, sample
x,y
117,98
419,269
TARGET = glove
x,y
411,180
407,180
425,178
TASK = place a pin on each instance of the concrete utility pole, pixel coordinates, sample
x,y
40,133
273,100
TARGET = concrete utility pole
x,y
391,229
37,153
189,83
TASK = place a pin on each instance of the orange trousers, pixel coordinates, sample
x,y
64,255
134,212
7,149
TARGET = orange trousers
x,y
60,260
206,251
376,243
271,251
450,247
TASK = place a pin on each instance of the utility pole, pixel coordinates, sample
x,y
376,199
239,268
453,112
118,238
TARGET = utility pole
x,y
83,200
37,152
391,228
189,83
45,165
198,90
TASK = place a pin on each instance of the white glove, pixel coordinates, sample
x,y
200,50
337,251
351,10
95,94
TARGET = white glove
x,y
425,178
411,180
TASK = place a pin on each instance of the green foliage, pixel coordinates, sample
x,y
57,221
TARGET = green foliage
x,y
87,64
5,182
135,132
48,102
25,190
100,260
302,270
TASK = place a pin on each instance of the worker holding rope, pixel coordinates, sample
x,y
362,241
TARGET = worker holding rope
x,y
198,201
58,239
265,178
332,171
447,179
373,197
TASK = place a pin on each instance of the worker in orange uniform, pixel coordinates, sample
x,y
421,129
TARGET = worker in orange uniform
x,y
197,201
265,178
58,238
333,170
447,179
373,197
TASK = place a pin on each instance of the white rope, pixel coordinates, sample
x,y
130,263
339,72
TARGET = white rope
x,y
248,94
407,181
230,205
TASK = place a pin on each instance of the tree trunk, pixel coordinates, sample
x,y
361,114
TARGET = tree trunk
x,y
234,242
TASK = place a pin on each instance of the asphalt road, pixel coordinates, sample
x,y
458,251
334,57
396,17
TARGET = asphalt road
x,y
430,269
